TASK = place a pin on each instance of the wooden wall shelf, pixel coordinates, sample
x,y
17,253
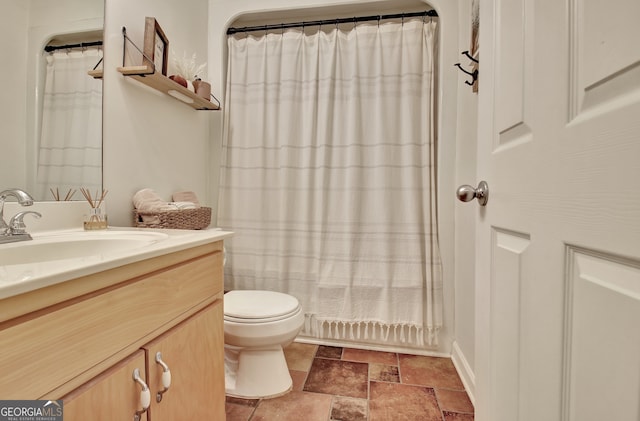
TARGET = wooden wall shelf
x,y
160,82
96,74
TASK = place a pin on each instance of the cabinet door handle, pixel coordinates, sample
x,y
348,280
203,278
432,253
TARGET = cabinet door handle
x,y
166,376
145,395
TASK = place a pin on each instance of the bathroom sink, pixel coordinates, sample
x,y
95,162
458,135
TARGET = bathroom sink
x,y
75,245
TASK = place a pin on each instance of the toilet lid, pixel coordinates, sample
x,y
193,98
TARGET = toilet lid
x,y
252,304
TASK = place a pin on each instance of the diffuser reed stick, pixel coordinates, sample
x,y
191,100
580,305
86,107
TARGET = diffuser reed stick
x,y
69,195
94,203
97,220
56,194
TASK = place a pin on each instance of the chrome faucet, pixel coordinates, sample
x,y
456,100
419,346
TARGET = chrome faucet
x,y
15,231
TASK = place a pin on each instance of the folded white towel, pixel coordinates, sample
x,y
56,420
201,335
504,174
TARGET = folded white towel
x,y
186,196
150,219
148,200
184,205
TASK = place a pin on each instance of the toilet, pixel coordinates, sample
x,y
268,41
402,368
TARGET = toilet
x,y
257,325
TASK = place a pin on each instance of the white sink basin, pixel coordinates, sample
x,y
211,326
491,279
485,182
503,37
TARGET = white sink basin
x,y
74,245
53,257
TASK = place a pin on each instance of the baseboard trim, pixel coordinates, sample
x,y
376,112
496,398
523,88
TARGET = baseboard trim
x,y
464,371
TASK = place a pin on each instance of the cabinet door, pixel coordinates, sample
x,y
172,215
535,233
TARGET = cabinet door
x,y
113,395
194,354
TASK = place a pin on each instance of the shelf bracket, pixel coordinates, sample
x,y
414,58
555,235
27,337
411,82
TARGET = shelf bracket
x,y
126,38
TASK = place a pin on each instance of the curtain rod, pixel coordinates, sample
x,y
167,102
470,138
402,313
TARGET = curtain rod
x,y
50,48
354,20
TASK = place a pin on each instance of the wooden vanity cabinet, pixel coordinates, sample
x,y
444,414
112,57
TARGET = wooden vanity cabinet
x,y
196,363
89,402
81,340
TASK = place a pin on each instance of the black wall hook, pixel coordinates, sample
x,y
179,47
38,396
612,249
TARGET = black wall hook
x,y
474,74
466,53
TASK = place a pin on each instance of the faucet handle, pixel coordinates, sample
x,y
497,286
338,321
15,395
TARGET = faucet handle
x,y
16,224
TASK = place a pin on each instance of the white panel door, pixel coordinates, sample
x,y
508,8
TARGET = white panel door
x,y
558,244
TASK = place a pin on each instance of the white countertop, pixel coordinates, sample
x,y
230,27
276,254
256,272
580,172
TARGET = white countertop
x,y
20,278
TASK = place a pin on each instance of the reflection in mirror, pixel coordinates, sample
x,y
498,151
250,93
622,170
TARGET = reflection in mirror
x,y
64,104
70,143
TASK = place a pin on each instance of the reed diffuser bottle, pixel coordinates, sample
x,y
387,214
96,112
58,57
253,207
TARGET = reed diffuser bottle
x,y
96,219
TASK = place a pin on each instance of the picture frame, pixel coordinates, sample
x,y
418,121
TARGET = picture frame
x,y
156,46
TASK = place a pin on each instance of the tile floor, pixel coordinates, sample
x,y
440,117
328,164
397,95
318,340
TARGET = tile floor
x,y
346,384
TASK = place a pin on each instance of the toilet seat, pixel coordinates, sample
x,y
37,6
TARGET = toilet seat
x,y
252,306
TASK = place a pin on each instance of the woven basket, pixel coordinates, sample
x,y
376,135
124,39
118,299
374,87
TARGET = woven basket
x,y
186,219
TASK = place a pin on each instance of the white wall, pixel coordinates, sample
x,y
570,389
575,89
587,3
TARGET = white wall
x,y
13,45
70,15
150,139
465,213
225,12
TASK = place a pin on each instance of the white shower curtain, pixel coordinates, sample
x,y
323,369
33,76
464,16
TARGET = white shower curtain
x,y
329,177
70,148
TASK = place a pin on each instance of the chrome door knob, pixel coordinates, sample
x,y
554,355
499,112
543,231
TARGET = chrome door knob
x,y
466,193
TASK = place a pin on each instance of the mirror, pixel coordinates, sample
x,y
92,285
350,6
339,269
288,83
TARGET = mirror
x,y
38,115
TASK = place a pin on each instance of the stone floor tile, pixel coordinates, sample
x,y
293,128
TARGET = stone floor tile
x,y
329,352
433,372
384,373
366,356
349,409
454,401
452,416
299,356
294,406
394,401
237,412
335,377
298,377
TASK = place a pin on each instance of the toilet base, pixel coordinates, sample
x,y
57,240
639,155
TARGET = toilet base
x,y
256,373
